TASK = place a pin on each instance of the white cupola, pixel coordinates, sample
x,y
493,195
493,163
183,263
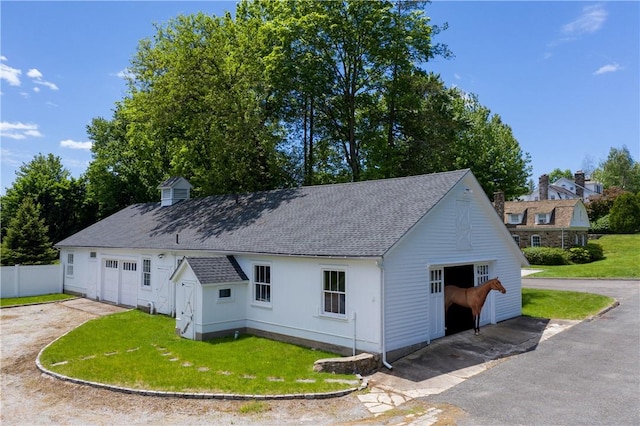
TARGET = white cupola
x,y
173,190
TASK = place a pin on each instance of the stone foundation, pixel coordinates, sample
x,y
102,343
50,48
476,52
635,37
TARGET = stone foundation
x,y
363,363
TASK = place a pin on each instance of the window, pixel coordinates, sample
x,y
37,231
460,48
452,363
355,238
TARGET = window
x,y
541,218
482,273
69,270
535,241
224,293
129,266
146,272
111,264
262,283
93,255
516,238
334,292
514,218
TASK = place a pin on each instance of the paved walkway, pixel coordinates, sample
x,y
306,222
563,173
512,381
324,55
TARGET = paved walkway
x,y
453,359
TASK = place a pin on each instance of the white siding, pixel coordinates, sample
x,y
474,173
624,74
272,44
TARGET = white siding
x,y
433,241
296,301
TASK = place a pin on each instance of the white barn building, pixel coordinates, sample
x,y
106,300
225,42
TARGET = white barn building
x,y
356,267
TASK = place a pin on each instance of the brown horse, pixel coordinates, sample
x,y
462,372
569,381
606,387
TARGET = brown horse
x,y
472,297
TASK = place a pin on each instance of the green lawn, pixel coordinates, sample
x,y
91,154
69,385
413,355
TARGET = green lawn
x,y
16,301
556,304
136,350
622,260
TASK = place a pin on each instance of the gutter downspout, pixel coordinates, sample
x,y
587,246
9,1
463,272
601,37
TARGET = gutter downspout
x,y
382,322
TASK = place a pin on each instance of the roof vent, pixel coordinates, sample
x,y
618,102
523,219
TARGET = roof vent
x,y
173,190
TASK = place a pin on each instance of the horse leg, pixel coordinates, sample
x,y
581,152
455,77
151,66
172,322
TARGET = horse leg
x,y
476,324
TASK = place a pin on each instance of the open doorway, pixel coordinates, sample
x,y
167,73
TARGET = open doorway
x,y
457,317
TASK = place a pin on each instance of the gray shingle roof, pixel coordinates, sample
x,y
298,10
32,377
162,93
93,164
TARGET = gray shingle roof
x,y
215,270
362,219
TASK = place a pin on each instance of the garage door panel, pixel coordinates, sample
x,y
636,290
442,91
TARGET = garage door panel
x,y
110,280
129,283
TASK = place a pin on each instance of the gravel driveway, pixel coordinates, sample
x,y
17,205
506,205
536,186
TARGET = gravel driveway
x,y
30,397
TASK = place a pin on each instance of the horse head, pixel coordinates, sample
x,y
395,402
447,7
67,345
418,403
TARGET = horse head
x,y
497,285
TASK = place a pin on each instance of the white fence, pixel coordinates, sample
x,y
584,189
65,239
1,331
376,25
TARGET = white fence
x,y
31,280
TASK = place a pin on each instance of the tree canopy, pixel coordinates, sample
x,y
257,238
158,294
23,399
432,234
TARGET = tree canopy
x,y
287,93
619,169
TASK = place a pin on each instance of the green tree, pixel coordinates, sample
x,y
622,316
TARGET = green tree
x,y
489,148
26,241
343,62
199,107
625,214
600,205
62,198
619,169
557,174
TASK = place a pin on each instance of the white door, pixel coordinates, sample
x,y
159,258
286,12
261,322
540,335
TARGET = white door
x,y
163,293
110,280
185,317
482,275
436,303
129,281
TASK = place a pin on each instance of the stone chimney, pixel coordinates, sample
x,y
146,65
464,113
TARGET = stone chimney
x,y
579,180
543,187
498,203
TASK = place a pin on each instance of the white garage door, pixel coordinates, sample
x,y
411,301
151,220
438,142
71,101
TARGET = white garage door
x,y
120,281
110,280
129,283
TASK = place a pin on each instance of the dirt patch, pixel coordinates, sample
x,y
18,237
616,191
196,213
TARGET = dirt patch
x,y
26,330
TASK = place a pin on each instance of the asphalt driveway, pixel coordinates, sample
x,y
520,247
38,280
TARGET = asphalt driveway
x,y
589,374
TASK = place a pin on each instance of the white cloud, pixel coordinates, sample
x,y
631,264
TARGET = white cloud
x,y
69,143
36,89
36,77
590,21
18,130
608,68
11,75
34,73
125,73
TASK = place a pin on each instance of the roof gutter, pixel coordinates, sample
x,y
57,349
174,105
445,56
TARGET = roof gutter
x,y
380,264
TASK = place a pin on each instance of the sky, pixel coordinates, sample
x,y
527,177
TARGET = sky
x,y
565,76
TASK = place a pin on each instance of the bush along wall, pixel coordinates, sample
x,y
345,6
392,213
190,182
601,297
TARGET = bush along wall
x,y
557,256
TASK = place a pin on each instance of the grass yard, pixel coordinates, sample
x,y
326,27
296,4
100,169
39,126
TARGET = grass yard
x,y
556,304
136,350
17,301
622,260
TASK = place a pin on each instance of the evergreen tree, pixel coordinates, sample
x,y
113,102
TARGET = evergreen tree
x,y
26,242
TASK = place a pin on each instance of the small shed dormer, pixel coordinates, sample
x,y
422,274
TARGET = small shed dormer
x,y
173,190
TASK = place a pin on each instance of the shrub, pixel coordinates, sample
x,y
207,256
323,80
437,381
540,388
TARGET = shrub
x,y
601,226
546,256
625,214
579,255
595,251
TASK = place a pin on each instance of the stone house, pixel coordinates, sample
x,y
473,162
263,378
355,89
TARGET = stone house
x,y
562,223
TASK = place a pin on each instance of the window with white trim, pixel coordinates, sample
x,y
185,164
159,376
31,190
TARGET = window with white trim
x,y
535,241
109,263
542,218
262,283
516,238
224,293
146,272
514,218
334,292
482,273
69,269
